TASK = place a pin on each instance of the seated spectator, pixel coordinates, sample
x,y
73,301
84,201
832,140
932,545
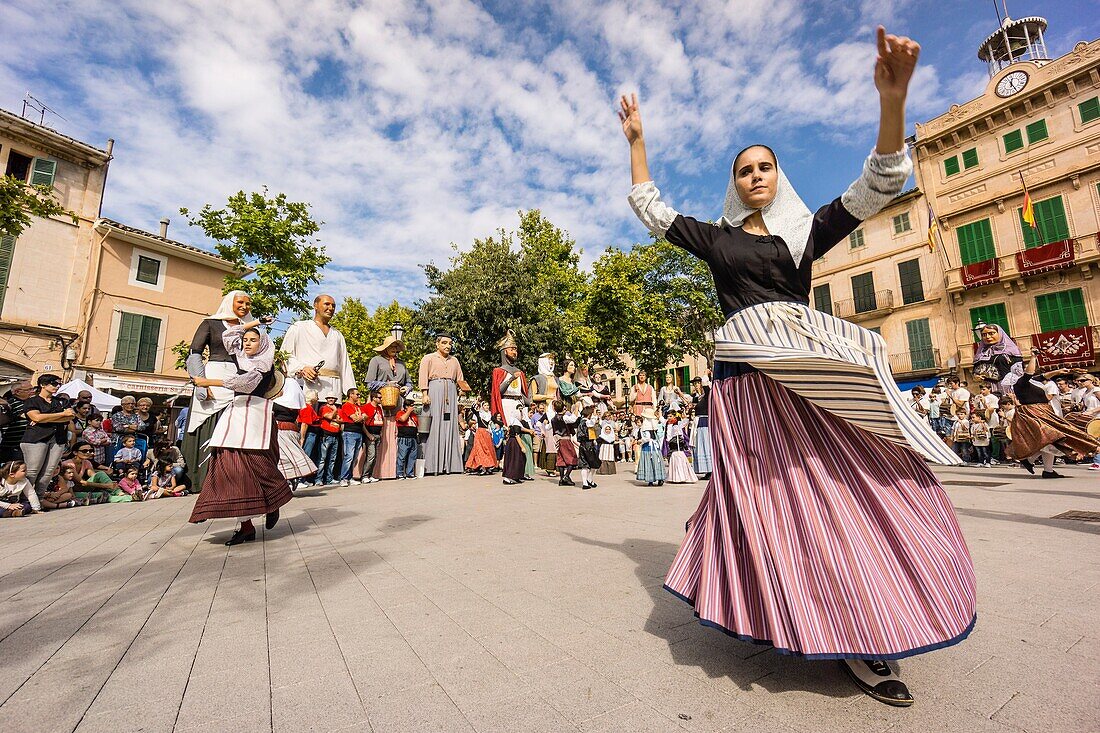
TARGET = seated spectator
x,y
15,489
59,494
80,421
169,453
98,438
127,421
144,410
127,457
165,483
130,485
47,432
84,397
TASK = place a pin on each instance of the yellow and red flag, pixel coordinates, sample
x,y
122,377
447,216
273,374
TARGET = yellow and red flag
x,y
933,227
1028,214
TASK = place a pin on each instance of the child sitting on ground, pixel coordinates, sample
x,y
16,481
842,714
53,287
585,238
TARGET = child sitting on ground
x,y
165,483
131,485
127,457
16,490
60,491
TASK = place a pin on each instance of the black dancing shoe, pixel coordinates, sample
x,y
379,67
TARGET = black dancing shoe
x,y
1052,474
239,537
510,482
586,487
878,681
1026,464
271,519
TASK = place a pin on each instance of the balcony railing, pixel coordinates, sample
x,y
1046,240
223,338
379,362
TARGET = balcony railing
x,y
921,360
1017,266
864,306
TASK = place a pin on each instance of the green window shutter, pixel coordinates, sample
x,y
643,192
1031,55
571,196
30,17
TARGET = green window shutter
x,y
129,335
863,292
995,313
148,344
1089,109
921,355
1050,214
7,251
1031,235
901,223
855,239
951,165
1037,131
1061,310
976,242
823,299
1013,141
43,172
970,158
912,289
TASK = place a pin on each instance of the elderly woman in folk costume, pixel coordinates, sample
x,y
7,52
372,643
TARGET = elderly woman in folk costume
x,y
387,370
207,403
842,474
243,479
998,358
544,390
1039,427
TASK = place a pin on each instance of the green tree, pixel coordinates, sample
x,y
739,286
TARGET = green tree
x,y
275,239
20,203
363,331
528,281
654,302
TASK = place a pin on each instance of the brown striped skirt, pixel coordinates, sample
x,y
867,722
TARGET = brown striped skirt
x,y
242,483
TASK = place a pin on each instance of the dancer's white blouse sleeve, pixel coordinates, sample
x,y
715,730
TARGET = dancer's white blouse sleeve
x,y
645,199
882,179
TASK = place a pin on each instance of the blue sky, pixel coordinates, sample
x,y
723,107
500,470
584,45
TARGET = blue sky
x,y
412,125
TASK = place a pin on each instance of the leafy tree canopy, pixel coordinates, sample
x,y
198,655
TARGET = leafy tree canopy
x,y
20,203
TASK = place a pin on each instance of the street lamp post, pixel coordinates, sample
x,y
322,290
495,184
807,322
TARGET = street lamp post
x,y
398,331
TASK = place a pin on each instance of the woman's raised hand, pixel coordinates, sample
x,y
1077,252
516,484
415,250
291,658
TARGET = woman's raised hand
x,y
897,58
631,118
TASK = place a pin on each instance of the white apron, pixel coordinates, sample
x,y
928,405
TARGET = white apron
x,y
218,398
245,424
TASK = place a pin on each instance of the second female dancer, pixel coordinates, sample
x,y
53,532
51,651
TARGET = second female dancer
x,y
821,531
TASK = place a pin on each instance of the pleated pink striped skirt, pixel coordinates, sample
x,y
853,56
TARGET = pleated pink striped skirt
x,y
818,537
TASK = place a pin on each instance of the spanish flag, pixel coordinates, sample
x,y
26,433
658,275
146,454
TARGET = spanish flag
x,y
1029,211
933,227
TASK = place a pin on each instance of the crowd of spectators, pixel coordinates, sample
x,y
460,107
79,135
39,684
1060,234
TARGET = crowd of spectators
x,y
60,453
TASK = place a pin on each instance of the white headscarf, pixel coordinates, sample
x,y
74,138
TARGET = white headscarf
x,y
786,216
546,365
292,397
225,309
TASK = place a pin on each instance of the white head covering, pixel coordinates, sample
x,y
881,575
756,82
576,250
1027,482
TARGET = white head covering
x,y
546,365
292,397
786,216
225,309
264,359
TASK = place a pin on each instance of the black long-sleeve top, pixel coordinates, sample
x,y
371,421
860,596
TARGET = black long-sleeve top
x,y
750,269
209,336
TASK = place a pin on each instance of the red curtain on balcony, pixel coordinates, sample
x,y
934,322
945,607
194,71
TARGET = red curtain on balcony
x,y
1070,347
1053,256
980,273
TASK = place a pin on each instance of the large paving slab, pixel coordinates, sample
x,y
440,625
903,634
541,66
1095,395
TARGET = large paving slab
x,y
460,604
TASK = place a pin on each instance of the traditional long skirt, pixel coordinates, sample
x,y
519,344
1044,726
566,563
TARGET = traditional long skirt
x,y
293,461
483,454
385,463
818,537
203,415
529,457
607,459
443,449
566,457
242,483
549,453
679,469
1036,426
651,467
701,458
515,458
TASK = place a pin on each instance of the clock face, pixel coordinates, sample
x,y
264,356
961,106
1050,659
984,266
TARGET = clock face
x,y
1011,83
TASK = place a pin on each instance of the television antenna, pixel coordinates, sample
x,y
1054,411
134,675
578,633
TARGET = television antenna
x,y
40,107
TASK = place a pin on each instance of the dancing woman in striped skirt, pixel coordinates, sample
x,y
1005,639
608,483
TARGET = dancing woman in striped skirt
x,y
821,532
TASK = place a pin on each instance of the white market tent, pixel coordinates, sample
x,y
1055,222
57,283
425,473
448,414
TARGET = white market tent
x,y
102,401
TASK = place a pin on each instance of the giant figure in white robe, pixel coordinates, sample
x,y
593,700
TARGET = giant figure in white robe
x,y
315,342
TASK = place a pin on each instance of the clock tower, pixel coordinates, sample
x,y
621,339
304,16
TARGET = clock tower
x,y
1006,50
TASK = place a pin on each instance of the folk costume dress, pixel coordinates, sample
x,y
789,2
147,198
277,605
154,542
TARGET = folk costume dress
x,y
651,465
679,467
507,398
544,388
243,479
381,372
439,378
293,461
483,454
207,403
1035,425
701,457
821,531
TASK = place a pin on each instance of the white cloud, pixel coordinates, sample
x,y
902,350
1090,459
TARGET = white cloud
x,y
438,120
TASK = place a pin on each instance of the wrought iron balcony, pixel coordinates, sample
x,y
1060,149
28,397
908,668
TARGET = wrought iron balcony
x,y
865,306
911,362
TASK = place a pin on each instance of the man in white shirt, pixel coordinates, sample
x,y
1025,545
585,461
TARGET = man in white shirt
x,y
959,399
315,342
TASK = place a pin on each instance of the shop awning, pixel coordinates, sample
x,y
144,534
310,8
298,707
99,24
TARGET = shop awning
x,y
926,383
142,385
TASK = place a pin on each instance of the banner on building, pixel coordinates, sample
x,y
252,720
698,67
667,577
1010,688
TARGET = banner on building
x,y
1053,256
1070,347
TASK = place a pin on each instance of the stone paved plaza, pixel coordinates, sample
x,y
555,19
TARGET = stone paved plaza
x,y
460,604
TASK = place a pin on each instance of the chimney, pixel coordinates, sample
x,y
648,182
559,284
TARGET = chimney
x,y
164,227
